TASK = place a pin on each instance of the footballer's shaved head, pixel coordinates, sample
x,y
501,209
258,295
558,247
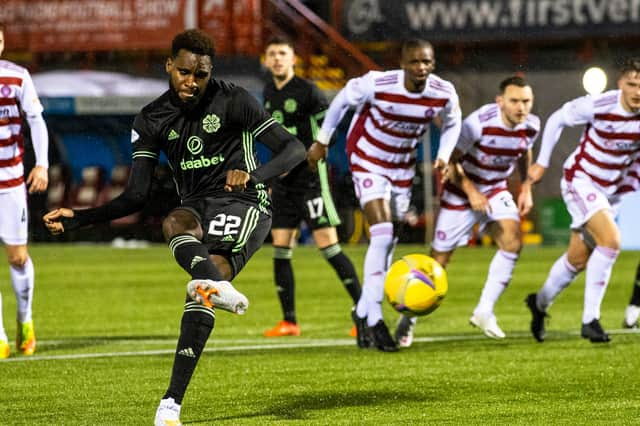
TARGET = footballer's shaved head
x,y
415,43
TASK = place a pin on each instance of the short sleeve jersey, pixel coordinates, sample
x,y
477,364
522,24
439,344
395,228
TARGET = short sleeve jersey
x,y
490,152
203,143
299,106
390,121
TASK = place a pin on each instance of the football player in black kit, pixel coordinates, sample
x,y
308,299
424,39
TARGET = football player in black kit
x,y
302,194
206,128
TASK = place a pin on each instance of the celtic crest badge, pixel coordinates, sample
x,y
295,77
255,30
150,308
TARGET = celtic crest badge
x,y
211,123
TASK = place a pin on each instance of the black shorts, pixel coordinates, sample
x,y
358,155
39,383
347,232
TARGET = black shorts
x,y
232,229
314,205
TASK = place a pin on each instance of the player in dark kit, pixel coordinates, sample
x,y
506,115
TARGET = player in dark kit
x,y
301,194
206,129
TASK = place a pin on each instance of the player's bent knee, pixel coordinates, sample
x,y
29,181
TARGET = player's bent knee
x,y
18,260
612,242
578,261
180,222
325,237
513,245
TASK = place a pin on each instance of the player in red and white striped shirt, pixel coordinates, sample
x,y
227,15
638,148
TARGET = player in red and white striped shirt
x,y
17,98
494,140
394,110
600,170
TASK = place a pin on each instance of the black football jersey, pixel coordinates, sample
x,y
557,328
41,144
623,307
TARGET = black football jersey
x,y
299,106
203,143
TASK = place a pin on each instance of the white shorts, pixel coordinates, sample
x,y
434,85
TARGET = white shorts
x,y
454,227
583,199
370,186
14,216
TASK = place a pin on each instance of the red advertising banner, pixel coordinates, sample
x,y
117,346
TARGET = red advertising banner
x,y
235,25
215,19
89,25
247,26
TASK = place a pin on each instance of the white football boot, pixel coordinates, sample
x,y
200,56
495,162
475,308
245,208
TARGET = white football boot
x,y
488,324
631,314
218,294
168,413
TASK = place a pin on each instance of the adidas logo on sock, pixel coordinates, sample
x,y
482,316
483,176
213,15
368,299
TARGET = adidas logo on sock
x,y
196,260
188,352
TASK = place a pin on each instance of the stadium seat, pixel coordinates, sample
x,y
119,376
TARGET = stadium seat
x,y
86,193
59,183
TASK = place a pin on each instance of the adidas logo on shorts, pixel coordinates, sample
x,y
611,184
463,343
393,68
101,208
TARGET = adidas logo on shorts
x,y
188,352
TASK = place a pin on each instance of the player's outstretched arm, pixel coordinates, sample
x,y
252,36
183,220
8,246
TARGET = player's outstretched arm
x,y
52,220
356,92
133,198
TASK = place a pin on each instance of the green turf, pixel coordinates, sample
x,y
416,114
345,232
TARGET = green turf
x,y
117,312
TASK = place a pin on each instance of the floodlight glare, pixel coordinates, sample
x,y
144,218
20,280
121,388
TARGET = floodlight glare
x,y
594,80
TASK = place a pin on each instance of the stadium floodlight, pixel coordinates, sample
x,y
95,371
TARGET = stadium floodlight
x,y
594,80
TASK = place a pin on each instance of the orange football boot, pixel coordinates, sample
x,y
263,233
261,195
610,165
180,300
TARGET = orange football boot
x,y
353,332
26,339
284,328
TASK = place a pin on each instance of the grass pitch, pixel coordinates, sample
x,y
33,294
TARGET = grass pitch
x,y
107,323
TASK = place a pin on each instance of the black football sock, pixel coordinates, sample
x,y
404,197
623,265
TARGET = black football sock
x,y
193,257
635,297
195,328
285,282
344,268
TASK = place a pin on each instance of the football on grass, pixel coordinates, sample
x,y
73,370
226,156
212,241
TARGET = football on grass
x,y
415,285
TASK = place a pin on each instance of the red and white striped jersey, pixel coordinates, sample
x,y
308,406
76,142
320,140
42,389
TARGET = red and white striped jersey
x,y
490,151
16,93
609,149
390,121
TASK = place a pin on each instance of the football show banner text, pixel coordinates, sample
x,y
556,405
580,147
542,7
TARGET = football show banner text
x,y
91,25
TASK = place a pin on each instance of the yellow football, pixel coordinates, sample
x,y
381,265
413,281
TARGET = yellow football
x,y
416,285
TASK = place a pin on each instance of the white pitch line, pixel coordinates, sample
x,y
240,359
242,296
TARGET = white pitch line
x,y
315,343
310,343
